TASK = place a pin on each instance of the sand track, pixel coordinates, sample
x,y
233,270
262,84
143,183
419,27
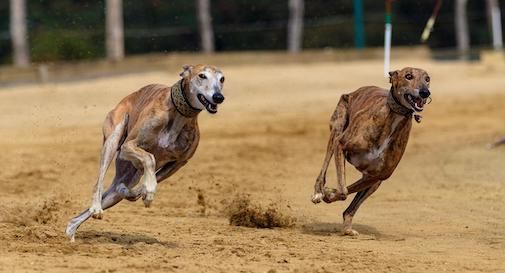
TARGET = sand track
x,y
442,210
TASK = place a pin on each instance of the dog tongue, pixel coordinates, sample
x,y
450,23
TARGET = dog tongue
x,y
419,102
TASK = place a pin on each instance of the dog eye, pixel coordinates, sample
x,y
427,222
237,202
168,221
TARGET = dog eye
x,y
202,76
221,80
427,79
409,77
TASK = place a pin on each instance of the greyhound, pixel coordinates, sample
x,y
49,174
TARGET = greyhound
x,y
370,128
154,133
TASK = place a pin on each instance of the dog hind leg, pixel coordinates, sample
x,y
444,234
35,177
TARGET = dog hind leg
x,y
362,184
109,199
112,137
126,174
134,193
353,207
338,123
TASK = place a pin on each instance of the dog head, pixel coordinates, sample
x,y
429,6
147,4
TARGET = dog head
x,y
411,87
204,84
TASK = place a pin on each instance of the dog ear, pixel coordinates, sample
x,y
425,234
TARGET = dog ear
x,y
186,70
393,75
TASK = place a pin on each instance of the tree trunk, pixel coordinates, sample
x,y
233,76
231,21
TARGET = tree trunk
x,y
205,21
462,36
295,26
494,20
19,36
114,30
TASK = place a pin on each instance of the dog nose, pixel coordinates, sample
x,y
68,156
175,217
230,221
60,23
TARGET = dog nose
x,y
218,97
424,93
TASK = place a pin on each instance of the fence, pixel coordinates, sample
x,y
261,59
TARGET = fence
x,y
155,26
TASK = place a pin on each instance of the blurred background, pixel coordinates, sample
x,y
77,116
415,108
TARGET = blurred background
x,y
68,30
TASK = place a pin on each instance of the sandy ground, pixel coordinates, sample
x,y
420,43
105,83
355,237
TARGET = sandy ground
x,y
442,210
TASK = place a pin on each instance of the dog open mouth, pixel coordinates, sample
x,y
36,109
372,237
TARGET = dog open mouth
x,y
211,107
417,103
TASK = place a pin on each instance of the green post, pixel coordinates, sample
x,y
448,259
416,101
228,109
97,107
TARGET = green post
x,y
359,32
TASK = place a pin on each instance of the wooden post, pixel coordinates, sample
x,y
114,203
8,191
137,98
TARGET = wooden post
x,y
462,36
494,15
295,26
19,35
114,30
205,22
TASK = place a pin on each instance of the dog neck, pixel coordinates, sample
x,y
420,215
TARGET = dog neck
x,y
397,107
182,104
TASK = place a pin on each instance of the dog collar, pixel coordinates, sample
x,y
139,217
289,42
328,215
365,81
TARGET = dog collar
x,y
397,107
180,101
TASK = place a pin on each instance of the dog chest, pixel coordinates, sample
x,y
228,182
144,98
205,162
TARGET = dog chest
x,y
175,141
383,144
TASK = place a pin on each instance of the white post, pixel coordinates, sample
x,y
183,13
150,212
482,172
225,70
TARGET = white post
x,y
387,49
295,25
496,26
114,30
205,21
19,34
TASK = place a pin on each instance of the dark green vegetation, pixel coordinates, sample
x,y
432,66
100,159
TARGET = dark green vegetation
x,y
74,29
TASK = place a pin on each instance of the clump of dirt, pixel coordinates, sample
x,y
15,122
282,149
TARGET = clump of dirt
x,y
35,222
201,202
48,213
243,212
41,233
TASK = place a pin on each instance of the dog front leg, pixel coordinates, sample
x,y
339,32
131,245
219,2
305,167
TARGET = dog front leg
x,y
319,193
340,193
338,124
141,160
110,146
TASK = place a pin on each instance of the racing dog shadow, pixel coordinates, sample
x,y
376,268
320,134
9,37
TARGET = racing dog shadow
x,y
330,229
121,238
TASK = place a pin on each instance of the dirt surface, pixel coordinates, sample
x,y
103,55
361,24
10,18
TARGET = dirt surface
x,y
442,210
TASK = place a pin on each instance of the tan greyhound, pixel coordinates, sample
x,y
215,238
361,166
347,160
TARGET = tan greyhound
x,y
370,128
155,132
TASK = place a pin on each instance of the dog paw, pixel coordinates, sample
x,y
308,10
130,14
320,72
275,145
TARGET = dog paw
x,y
70,230
128,194
350,232
96,212
317,198
332,195
148,199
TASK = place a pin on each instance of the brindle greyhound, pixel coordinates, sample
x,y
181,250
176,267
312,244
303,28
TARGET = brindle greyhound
x,y
155,133
370,128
